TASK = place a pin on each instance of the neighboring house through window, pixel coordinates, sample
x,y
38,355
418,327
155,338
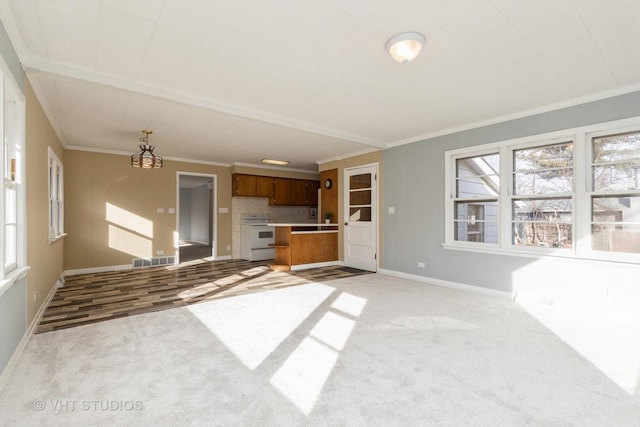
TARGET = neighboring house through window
x,y
571,193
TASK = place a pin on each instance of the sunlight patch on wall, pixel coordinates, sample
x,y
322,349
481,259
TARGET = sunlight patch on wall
x,y
129,243
125,219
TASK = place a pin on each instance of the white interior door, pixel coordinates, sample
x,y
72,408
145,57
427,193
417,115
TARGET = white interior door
x,y
361,217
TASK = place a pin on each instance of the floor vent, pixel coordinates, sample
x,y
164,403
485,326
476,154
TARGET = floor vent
x,y
152,262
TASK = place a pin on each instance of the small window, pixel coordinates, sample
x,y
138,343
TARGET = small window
x,y
615,200
476,198
10,154
542,206
56,199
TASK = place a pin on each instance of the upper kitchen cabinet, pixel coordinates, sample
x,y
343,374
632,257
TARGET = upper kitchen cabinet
x,y
264,186
251,185
312,188
243,185
295,192
280,191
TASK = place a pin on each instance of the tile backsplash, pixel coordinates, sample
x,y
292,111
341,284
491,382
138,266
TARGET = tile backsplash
x,y
260,205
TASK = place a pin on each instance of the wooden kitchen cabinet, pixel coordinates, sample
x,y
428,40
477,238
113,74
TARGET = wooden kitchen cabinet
x,y
243,185
295,192
280,191
282,194
312,193
299,192
251,185
264,186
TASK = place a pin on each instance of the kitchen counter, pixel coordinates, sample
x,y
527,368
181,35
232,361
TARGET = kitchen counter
x,y
302,224
304,245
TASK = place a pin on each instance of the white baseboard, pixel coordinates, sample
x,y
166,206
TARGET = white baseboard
x,y
316,265
447,283
27,336
223,258
97,269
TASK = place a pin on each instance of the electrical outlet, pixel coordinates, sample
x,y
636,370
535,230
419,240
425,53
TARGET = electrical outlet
x,y
421,265
160,210
228,248
159,252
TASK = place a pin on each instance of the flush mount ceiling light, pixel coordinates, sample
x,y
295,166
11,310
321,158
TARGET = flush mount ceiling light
x,y
406,46
275,162
145,158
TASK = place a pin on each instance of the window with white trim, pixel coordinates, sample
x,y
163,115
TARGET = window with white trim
x,y
615,192
56,199
477,190
10,213
572,193
542,196
13,197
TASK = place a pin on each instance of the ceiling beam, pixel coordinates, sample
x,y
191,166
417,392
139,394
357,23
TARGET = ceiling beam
x,y
33,64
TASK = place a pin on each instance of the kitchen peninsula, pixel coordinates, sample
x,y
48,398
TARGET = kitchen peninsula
x,y
304,245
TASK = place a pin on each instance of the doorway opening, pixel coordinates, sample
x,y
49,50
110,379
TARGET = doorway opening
x,y
195,219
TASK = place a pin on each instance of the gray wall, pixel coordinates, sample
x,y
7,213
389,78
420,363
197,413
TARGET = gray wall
x,y
413,183
13,320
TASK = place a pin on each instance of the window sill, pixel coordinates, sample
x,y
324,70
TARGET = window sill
x,y
58,237
12,278
539,253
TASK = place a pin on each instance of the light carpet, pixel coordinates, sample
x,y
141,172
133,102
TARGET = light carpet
x,y
369,350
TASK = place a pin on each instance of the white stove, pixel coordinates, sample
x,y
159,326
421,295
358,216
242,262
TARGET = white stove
x,y
256,237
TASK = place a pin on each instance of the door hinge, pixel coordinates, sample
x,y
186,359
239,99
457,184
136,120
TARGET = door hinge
x,y
375,256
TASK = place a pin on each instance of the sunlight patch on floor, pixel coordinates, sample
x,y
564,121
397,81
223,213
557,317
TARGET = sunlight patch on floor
x,y
350,304
333,330
252,326
585,312
611,342
302,376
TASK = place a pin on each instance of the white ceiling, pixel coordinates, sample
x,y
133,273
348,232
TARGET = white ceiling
x,y
234,81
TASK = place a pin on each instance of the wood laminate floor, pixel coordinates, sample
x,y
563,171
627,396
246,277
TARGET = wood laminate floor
x,y
90,298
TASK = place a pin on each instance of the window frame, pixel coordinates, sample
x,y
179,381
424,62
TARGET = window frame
x,y
13,119
508,150
55,173
581,193
590,193
455,199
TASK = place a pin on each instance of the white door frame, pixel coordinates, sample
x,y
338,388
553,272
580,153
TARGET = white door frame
x,y
375,197
214,210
